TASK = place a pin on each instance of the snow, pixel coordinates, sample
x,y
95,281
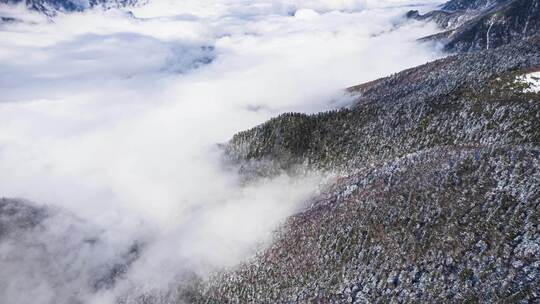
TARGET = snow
x,y
533,80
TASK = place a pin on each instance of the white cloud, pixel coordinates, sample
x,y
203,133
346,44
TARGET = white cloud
x,y
114,116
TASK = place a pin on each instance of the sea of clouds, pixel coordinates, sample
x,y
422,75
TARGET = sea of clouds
x,y
112,118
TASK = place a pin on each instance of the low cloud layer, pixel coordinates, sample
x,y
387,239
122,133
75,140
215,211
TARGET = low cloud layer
x,y
113,117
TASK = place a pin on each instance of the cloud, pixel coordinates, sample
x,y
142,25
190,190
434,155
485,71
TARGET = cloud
x,y
114,117
50,256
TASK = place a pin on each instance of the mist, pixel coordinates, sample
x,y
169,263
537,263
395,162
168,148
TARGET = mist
x,y
111,118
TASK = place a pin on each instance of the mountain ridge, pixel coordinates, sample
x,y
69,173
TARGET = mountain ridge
x,y
436,198
52,7
400,113
437,190
477,25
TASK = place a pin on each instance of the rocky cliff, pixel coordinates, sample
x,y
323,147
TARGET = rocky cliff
x,y
478,25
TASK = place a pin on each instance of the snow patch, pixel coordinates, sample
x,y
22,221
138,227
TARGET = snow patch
x,y
533,80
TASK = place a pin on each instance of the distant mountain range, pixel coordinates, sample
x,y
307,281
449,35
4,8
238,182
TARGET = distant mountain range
x,y
50,7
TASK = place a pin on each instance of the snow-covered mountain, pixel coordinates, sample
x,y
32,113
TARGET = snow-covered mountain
x,y
478,25
433,173
50,7
437,200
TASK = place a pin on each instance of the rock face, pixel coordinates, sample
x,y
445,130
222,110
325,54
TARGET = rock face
x,y
478,25
455,5
438,199
455,13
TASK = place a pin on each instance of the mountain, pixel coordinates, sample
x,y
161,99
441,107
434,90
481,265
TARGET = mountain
x,y
51,7
437,197
436,193
460,5
458,100
449,224
478,25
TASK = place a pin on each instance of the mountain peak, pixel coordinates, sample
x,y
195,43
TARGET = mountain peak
x,y
483,24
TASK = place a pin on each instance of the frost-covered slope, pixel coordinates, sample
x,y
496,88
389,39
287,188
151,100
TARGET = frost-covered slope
x,y
435,198
438,196
451,224
461,100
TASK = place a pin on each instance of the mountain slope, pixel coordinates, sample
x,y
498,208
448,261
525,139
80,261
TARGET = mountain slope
x,y
455,5
478,25
452,224
470,99
438,199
